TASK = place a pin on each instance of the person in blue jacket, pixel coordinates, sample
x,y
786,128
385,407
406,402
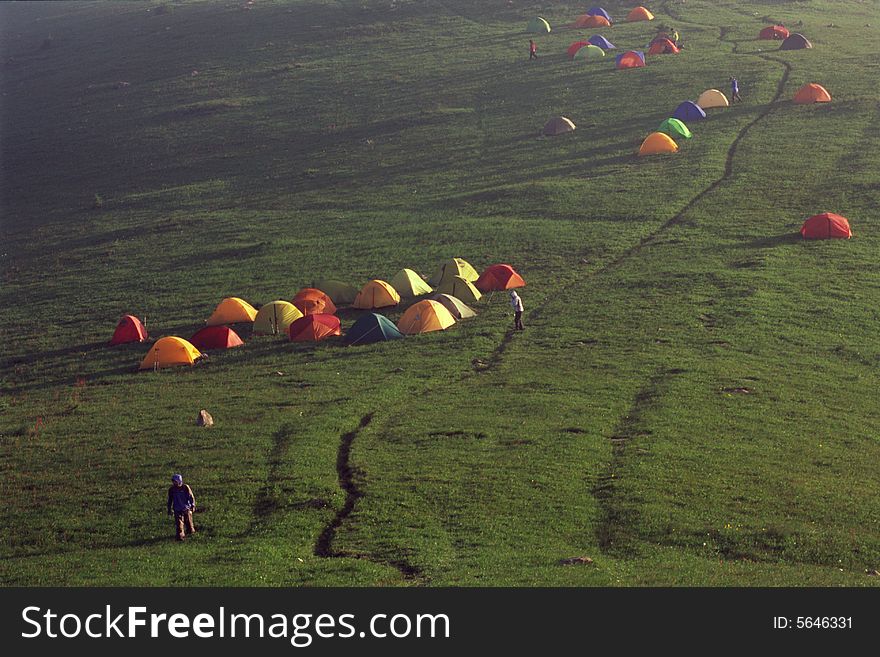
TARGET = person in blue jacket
x,y
182,503
734,91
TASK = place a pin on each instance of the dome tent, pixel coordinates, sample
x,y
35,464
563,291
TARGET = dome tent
x,y
774,32
313,328
275,317
589,52
499,277
712,98
409,284
538,25
312,294
424,317
675,128
170,352
215,337
658,142
812,93
826,226
340,293
454,267
370,328
639,14
129,329
376,294
455,306
689,111
602,42
795,41
558,125
232,310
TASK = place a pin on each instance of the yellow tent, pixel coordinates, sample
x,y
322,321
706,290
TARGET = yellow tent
x,y
712,98
454,267
168,352
657,142
425,316
274,318
376,294
409,284
460,287
231,311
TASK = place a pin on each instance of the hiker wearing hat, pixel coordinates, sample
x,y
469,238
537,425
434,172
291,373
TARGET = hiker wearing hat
x,y
183,502
517,305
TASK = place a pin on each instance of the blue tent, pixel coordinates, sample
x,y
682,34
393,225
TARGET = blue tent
x,y
688,111
372,328
602,42
598,11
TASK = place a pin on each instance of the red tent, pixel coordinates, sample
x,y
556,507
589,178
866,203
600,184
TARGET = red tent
x,y
573,48
314,327
499,277
826,226
215,337
663,46
129,329
773,32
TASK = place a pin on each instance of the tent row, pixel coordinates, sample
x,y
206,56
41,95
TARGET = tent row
x,y
424,316
594,17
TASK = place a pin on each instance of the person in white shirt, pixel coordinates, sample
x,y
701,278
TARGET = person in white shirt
x,y
517,305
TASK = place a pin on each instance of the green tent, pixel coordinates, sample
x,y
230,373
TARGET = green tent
x,y
675,128
370,328
274,318
461,288
341,294
589,52
538,26
409,284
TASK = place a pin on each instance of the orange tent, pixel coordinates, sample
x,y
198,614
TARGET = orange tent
x,y
313,328
232,310
663,47
774,32
314,294
425,316
630,59
591,21
826,226
574,47
376,294
168,352
812,93
657,142
640,14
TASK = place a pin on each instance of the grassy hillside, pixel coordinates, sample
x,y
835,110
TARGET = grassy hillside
x,y
692,401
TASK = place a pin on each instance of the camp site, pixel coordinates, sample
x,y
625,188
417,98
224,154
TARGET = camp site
x,y
278,246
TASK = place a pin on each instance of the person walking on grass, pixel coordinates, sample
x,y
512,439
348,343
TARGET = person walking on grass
x,y
734,91
533,49
517,305
182,502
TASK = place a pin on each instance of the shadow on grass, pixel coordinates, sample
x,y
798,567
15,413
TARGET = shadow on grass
x,y
771,241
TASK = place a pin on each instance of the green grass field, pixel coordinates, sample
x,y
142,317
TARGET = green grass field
x,y
694,398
